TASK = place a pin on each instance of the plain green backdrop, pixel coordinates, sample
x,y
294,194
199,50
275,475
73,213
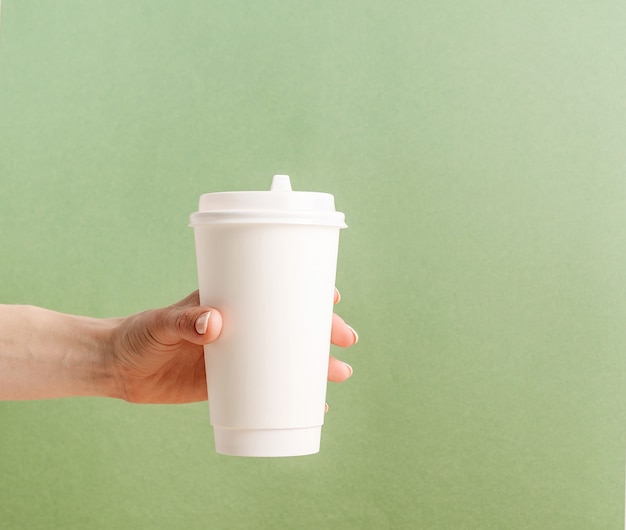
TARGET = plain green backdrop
x,y
478,150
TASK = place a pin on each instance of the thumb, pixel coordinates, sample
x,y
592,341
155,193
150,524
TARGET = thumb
x,y
198,325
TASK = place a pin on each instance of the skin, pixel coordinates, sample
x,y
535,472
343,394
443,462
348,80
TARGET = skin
x,y
155,356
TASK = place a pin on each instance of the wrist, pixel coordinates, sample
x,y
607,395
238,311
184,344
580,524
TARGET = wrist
x,y
99,372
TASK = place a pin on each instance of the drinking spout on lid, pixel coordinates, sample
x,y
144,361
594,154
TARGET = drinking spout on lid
x,y
281,183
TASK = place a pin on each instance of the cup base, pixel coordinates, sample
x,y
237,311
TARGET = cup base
x,y
267,442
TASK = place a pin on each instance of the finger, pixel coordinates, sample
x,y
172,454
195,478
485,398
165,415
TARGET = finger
x,y
198,325
338,371
207,325
341,334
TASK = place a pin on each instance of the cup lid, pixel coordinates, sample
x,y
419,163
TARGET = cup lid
x,y
278,205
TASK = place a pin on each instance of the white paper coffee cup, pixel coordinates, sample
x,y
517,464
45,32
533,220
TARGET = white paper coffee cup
x,y
267,261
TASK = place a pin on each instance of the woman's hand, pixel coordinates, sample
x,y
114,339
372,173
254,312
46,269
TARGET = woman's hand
x,y
158,355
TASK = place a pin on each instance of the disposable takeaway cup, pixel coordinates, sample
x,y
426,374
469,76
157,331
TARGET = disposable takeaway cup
x,y
267,261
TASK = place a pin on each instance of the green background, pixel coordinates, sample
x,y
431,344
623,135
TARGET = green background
x,y
478,151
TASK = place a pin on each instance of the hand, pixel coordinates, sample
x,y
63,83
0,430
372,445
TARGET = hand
x,y
158,355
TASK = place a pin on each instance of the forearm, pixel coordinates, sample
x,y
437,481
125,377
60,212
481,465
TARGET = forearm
x,y
45,354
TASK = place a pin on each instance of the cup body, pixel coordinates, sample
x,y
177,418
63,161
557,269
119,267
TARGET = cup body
x,y
266,374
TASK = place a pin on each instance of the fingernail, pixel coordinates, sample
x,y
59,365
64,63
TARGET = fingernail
x,y
356,335
349,369
202,323
325,407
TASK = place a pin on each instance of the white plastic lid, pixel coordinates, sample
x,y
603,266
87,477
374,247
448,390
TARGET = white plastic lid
x,y
279,205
